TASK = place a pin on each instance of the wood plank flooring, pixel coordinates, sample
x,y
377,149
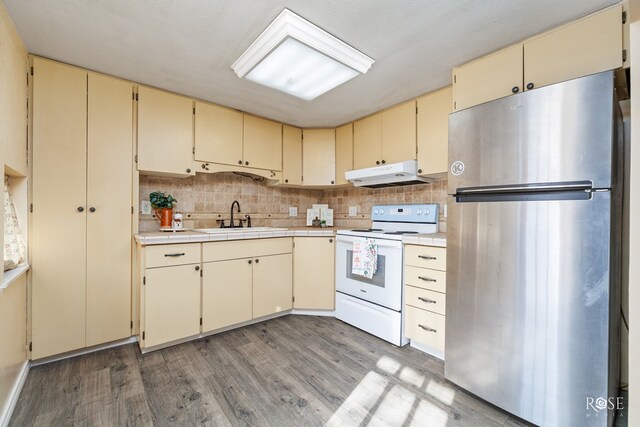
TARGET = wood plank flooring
x,y
290,371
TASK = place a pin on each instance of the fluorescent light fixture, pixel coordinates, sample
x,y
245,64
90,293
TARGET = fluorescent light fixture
x,y
296,57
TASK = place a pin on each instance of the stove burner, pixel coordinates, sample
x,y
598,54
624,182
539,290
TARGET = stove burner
x,y
368,230
401,232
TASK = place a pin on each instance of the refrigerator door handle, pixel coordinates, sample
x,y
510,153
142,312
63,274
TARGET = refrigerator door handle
x,y
528,188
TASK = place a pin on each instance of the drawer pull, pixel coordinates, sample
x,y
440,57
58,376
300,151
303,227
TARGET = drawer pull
x,y
427,300
427,279
429,257
174,255
426,328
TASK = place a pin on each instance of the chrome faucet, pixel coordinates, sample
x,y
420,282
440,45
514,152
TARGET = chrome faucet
x,y
235,202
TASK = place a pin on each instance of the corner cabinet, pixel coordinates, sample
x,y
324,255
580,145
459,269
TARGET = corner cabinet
x,y
314,273
165,133
319,156
81,222
543,60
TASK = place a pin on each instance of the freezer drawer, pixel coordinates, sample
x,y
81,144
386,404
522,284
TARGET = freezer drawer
x,y
529,301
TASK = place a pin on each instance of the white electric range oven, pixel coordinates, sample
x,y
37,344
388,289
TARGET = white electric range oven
x,y
375,304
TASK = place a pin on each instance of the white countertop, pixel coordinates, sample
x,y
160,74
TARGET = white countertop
x,y
435,239
189,236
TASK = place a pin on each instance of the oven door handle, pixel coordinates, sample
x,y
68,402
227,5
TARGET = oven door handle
x,y
379,242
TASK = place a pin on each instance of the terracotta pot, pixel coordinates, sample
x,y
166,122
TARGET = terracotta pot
x,y
165,215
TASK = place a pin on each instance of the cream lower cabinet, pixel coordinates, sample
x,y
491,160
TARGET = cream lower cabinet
x,y
169,293
81,221
425,297
227,288
314,273
244,280
272,284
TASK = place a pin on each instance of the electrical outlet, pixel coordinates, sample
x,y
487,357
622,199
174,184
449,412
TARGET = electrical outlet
x,y
145,207
353,211
293,211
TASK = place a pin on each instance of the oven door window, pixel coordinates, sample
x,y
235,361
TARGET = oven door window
x,y
378,277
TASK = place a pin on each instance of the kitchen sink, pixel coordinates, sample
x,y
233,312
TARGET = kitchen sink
x,y
237,230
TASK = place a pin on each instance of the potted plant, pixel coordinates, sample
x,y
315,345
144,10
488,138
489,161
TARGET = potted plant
x,y
163,207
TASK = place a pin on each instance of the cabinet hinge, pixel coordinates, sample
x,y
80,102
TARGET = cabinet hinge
x,y
132,325
133,96
31,208
624,16
293,299
416,109
624,55
142,335
136,96
454,105
131,210
135,158
32,70
194,110
201,321
294,244
454,78
31,346
201,270
144,280
193,150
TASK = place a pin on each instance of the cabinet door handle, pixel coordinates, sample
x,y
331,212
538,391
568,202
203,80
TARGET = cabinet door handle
x,y
239,162
427,300
330,240
426,328
246,163
92,209
286,180
188,170
530,86
174,255
515,89
377,162
197,268
257,260
427,279
429,257
332,182
384,161
250,261
80,209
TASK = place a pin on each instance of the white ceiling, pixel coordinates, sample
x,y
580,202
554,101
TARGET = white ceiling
x,y
188,46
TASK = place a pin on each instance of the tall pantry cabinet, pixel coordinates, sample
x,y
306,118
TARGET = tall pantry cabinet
x,y
81,208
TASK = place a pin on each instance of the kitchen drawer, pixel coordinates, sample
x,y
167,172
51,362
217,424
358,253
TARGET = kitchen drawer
x,y
167,255
426,256
425,278
425,299
234,249
425,327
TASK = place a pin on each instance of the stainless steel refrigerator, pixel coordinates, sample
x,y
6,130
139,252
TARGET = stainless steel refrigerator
x,y
533,261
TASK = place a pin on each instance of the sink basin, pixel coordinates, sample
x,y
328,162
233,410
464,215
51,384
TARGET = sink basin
x,y
237,230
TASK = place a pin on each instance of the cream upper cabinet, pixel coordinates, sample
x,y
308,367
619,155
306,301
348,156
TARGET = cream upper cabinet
x,y
319,156
226,293
291,155
313,273
262,143
549,58
82,178
109,217
399,133
553,57
367,141
165,133
218,134
433,132
272,284
59,203
488,78
344,152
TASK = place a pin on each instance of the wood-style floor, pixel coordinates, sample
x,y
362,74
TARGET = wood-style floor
x,y
290,371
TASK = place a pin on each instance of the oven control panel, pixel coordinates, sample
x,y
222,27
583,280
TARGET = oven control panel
x,y
405,213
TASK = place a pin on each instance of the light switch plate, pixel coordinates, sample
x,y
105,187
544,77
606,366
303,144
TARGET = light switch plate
x,y
293,211
145,207
353,211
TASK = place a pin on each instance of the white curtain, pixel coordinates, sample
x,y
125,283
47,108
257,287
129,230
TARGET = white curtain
x,y
14,247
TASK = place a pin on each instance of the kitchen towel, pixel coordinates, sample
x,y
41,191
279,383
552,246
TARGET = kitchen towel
x,y
365,257
15,251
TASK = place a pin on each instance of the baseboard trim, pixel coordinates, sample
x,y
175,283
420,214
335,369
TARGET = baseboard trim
x,y
7,411
327,313
427,349
82,351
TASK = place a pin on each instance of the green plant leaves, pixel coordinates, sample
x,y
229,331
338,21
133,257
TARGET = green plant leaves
x,y
161,200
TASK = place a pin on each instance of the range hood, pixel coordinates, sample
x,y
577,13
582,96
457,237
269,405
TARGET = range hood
x,y
393,174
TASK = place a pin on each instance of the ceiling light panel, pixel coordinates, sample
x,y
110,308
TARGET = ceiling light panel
x,y
296,57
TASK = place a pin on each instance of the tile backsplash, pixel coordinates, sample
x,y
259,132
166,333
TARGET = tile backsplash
x,y
205,198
